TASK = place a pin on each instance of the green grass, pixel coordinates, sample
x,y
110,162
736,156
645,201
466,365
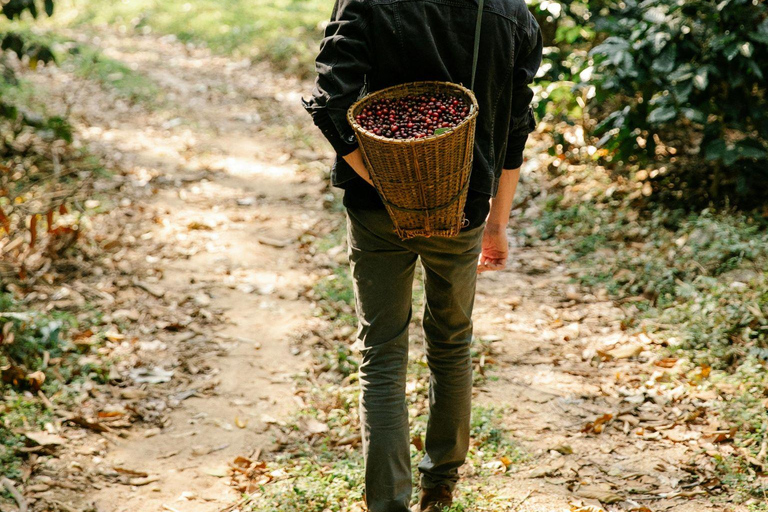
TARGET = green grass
x,y
312,487
660,254
697,281
88,62
336,298
84,60
320,477
39,342
285,32
18,92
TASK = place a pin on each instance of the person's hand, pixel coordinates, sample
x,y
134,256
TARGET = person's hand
x,y
495,249
355,160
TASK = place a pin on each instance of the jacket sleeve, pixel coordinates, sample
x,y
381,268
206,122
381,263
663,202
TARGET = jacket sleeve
x,y
341,67
525,67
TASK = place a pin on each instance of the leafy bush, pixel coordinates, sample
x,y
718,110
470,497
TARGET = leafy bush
x,y
16,42
567,33
680,86
691,74
26,50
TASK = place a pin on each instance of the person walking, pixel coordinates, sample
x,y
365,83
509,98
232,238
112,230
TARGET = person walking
x,y
370,45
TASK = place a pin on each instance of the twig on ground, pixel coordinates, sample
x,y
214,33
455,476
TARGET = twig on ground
x,y
45,400
520,503
8,484
64,507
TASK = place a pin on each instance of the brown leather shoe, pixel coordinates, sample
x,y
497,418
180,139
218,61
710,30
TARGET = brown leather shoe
x,y
435,499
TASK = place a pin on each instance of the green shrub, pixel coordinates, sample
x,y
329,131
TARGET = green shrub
x,y
679,86
690,75
28,50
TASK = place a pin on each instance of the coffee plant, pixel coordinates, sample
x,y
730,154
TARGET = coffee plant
x,y
31,52
16,43
680,86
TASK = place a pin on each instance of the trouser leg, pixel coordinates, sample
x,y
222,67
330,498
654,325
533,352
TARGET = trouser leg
x,y
450,277
382,272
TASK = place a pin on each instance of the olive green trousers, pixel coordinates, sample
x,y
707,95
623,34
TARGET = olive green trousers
x,y
383,270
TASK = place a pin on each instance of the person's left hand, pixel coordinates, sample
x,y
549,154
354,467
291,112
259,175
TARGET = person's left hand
x,y
495,249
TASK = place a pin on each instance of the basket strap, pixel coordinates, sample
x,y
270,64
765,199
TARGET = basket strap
x,y
477,41
421,210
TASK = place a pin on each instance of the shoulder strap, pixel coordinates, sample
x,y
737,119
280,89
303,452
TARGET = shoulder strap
x,y
477,41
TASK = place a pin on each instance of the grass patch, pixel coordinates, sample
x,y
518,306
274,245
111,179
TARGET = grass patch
x,y
89,63
318,476
285,32
83,60
313,474
311,487
37,354
335,297
659,255
695,280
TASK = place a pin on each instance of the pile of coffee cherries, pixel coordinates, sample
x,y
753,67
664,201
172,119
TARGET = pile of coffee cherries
x,y
413,116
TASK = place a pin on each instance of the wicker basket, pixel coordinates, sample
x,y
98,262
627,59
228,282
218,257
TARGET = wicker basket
x,y
422,182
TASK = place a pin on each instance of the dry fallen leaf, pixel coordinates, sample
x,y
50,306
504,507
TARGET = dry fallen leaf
x,y
312,426
266,418
667,362
143,480
151,375
45,438
36,380
583,507
598,425
217,471
130,472
242,462
548,470
565,449
201,450
602,493
622,352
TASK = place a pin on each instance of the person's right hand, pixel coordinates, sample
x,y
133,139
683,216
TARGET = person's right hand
x,y
495,249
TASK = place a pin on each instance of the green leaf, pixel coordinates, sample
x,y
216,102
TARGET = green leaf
x,y
731,51
42,54
716,150
662,114
441,131
759,37
611,47
697,116
49,7
665,62
746,150
682,91
684,72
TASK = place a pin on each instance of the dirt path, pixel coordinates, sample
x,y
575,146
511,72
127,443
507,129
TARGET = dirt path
x,y
231,198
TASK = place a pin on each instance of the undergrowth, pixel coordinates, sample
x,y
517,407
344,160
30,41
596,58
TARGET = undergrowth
x,y
696,280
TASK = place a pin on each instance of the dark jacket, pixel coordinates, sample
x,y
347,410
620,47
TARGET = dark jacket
x,y
373,44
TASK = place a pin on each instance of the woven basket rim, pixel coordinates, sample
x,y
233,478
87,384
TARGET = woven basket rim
x,y
429,138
